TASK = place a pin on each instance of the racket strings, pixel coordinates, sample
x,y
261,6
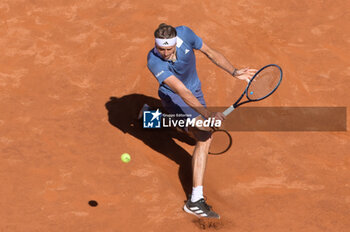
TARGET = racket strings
x,y
264,83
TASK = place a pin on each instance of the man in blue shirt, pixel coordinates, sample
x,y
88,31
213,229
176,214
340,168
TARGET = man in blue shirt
x,y
172,61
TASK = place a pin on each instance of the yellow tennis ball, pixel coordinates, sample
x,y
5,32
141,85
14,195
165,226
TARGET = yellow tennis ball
x,y
125,158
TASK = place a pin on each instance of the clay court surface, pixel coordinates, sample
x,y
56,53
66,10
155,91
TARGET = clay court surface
x,y
73,77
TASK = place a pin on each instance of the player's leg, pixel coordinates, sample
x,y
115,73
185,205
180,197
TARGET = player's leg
x,y
174,104
200,155
196,204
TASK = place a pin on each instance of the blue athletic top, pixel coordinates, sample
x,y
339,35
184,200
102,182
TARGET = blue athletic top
x,y
184,68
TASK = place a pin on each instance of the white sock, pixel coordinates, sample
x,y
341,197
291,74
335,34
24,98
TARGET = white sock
x,y
197,193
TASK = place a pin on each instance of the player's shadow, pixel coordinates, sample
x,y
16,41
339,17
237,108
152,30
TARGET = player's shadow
x,y
123,114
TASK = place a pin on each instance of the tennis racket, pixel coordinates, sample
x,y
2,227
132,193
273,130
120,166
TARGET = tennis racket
x,y
264,83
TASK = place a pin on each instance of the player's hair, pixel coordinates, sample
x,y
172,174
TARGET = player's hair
x,y
165,31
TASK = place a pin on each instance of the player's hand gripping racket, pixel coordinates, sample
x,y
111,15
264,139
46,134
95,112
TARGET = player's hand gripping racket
x,y
262,85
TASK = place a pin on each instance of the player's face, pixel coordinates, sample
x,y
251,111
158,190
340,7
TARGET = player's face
x,y
166,52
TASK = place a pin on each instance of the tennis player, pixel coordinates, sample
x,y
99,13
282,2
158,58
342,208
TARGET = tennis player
x,y
172,61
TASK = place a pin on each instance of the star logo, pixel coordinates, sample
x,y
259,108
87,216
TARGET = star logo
x,y
186,51
156,115
151,119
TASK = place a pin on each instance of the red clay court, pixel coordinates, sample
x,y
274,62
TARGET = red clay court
x,y
73,77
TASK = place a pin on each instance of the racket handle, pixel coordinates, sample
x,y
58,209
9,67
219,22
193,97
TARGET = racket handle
x,y
228,110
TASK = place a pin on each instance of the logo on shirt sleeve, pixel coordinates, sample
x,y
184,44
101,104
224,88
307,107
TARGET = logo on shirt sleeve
x,y
179,42
160,73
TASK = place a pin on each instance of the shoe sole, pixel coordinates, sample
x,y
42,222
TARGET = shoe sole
x,y
198,216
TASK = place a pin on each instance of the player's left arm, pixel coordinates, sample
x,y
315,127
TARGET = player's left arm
x,y
221,61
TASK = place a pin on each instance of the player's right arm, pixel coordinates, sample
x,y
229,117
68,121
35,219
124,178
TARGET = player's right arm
x,y
221,61
179,88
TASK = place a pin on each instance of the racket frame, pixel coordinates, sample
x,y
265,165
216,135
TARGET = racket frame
x,y
238,103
